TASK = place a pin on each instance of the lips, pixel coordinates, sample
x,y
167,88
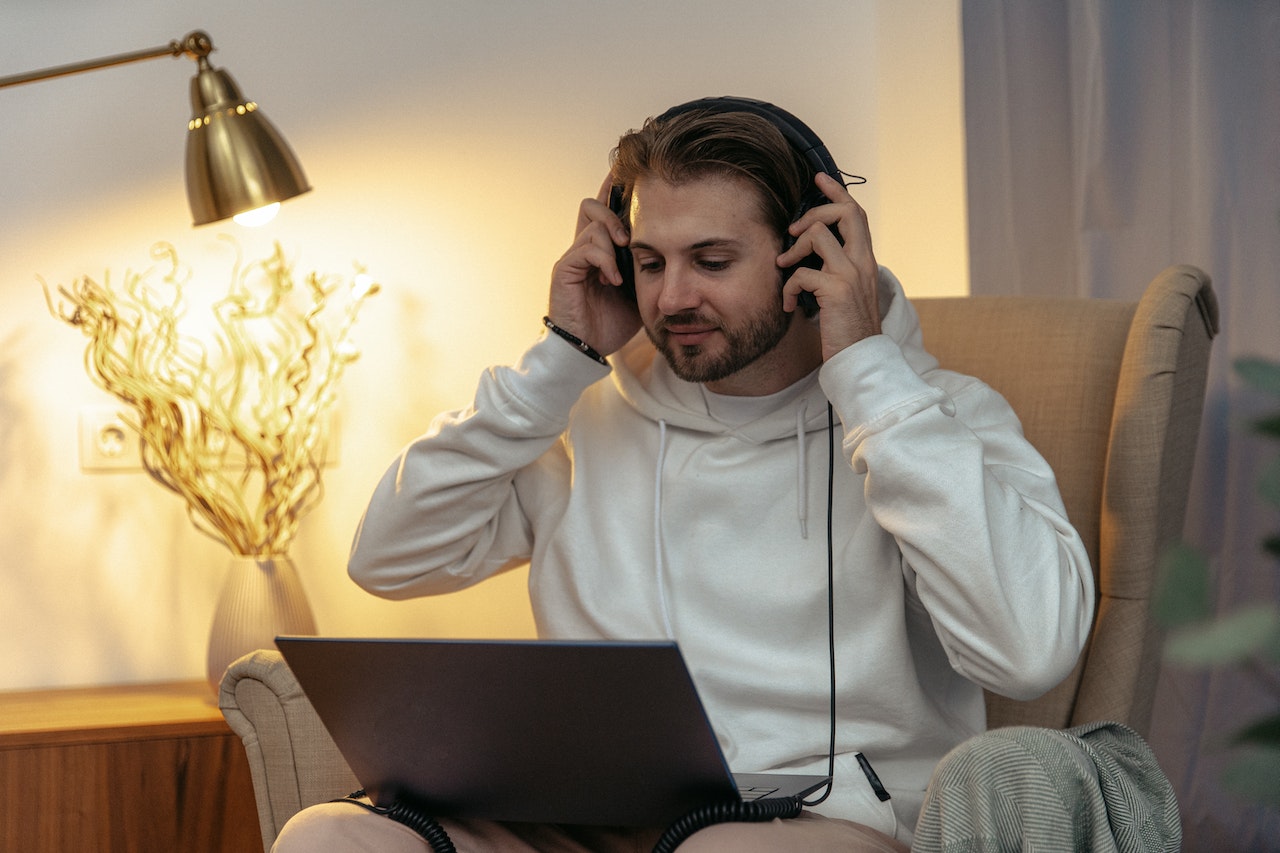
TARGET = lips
x,y
687,331
689,337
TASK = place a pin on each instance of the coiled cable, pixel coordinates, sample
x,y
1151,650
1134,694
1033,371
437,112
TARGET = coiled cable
x,y
754,811
401,812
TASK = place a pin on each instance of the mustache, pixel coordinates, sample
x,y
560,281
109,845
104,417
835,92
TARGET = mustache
x,y
686,318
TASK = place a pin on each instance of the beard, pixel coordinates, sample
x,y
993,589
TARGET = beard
x,y
744,343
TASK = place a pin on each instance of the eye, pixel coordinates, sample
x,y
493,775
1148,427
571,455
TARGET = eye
x,y
649,265
714,264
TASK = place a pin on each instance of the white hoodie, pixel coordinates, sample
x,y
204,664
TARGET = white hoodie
x,y
650,508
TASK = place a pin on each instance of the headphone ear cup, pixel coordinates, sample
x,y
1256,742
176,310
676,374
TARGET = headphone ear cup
x,y
811,199
627,269
622,254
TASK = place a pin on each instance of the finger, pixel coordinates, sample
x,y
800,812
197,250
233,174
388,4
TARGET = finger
x,y
792,289
832,188
603,252
843,211
595,256
836,213
593,210
823,286
817,239
848,220
606,187
839,200
585,266
588,212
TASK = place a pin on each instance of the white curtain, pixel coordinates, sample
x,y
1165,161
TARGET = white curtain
x,y
1106,140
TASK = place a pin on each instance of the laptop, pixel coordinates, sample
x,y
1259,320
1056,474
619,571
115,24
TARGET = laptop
x,y
605,733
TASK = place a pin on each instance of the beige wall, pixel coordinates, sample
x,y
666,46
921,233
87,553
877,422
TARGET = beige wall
x,y
921,229
449,143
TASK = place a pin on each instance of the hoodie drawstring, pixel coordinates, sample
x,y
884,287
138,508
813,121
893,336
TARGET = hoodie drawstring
x,y
659,559
802,507
802,476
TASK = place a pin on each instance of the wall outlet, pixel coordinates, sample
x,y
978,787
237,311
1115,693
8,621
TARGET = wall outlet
x,y
107,443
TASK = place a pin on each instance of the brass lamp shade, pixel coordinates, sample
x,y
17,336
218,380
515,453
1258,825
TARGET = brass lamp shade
x,y
236,160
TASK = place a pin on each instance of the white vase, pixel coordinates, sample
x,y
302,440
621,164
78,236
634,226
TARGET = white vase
x,y
260,600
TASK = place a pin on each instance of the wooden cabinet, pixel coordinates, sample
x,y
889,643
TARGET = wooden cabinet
x,y
134,768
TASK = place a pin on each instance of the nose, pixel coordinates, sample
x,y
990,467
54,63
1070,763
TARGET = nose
x,y
679,291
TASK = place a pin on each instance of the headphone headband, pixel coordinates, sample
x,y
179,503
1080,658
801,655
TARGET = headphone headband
x,y
797,133
801,139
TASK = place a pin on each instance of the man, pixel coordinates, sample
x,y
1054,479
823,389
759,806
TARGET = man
x,y
676,490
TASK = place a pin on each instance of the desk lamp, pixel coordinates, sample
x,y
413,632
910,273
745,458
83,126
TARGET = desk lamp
x,y
238,165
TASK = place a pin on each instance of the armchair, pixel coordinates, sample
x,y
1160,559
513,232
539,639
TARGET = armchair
x,y
1110,392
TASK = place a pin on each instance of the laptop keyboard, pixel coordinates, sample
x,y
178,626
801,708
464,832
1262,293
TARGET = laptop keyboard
x,y
748,794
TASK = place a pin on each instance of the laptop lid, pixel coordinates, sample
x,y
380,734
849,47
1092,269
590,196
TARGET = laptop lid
x,y
609,733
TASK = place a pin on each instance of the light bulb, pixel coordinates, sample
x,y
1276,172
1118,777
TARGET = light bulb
x,y
258,216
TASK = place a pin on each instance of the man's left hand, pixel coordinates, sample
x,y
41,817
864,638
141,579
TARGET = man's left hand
x,y
847,285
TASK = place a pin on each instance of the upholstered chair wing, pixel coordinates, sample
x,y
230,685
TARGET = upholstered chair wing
x,y
1111,394
293,761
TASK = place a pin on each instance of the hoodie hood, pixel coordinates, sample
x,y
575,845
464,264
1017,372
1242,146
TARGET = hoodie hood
x,y
646,382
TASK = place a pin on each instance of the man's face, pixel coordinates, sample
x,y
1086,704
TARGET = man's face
x,y
707,279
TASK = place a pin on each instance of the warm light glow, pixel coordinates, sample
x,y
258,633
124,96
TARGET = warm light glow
x,y
363,285
258,216
235,423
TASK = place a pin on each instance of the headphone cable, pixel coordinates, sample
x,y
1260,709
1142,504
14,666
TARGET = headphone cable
x,y
831,605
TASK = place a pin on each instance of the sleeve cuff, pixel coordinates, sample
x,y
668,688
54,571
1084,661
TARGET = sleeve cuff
x,y
872,386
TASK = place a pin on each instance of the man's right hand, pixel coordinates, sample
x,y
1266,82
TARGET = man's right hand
x,y
586,297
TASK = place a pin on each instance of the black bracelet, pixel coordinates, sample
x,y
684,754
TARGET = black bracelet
x,y
578,343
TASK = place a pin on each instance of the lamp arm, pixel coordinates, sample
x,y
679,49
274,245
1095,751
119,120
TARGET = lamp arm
x,y
197,45
245,166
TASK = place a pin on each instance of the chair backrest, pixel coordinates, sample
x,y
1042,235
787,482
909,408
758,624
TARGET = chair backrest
x,y
1111,393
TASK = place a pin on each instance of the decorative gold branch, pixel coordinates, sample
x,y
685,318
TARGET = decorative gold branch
x,y
234,421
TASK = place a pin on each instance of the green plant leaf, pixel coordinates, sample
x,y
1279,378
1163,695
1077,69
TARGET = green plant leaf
x,y
1269,483
1227,639
1255,774
1268,426
1265,732
1259,373
1182,591
1270,648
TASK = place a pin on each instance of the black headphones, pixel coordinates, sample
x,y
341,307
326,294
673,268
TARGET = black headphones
x,y
803,140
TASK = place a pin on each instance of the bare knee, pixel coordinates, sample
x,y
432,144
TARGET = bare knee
x,y
345,828
809,832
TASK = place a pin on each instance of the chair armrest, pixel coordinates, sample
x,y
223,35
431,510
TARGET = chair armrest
x,y
293,761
